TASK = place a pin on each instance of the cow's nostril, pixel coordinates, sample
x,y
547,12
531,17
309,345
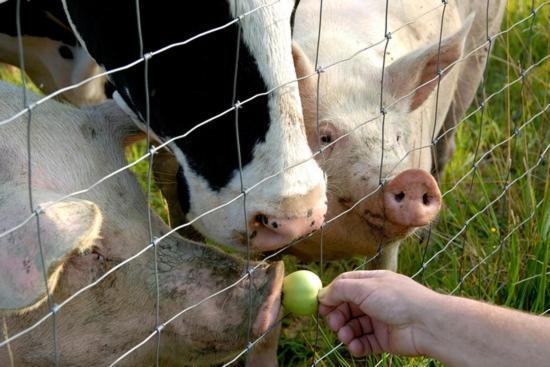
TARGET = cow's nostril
x,y
399,197
426,199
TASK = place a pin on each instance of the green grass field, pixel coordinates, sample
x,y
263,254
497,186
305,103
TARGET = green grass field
x,y
492,239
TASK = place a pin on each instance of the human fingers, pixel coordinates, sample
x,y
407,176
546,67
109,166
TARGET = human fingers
x,y
338,316
345,290
355,328
364,274
366,344
325,310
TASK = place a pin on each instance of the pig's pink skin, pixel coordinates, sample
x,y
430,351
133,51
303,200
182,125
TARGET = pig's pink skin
x,y
344,108
71,150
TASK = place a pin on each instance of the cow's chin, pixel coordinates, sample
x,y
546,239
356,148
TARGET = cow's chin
x,y
350,233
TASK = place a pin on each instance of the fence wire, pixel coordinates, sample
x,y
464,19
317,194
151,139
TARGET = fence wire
x,y
236,105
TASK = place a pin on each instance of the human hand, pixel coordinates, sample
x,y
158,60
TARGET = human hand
x,y
379,311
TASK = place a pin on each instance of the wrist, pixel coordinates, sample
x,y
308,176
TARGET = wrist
x,y
431,323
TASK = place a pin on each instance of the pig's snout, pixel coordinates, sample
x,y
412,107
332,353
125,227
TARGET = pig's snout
x,y
270,307
270,232
412,198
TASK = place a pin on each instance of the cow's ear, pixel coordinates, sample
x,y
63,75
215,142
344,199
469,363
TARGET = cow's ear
x,y
418,70
66,228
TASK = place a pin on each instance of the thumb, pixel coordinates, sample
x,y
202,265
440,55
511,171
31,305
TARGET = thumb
x,y
346,290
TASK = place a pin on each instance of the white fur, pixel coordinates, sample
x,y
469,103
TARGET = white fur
x,y
350,91
266,33
349,96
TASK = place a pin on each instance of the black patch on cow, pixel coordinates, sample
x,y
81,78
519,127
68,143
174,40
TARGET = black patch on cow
x,y
39,18
182,191
191,83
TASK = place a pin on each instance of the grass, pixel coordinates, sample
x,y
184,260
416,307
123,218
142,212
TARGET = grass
x,y
492,240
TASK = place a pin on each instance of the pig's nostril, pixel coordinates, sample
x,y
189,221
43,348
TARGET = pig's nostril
x,y
426,199
260,219
399,197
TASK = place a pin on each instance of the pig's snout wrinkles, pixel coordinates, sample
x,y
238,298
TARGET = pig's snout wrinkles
x,y
412,198
297,216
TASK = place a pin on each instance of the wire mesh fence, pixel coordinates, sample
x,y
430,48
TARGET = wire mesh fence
x,y
445,255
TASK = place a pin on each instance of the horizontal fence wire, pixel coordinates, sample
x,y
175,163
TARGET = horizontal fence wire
x,y
132,64
171,140
153,150
506,188
320,69
498,248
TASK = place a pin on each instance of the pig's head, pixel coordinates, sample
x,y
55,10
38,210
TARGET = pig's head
x,y
84,237
53,57
361,150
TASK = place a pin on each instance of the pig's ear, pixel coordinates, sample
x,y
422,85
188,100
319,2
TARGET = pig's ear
x,y
122,120
66,228
420,67
307,86
304,67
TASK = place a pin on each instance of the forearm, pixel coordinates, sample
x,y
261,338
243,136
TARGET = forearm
x,y
462,332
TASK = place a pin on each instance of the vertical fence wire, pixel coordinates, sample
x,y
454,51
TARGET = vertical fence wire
x,y
439,75
318,69
50,300
235,102
236,106
206,213
146,58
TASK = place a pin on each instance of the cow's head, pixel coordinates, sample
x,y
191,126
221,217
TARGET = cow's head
x,y
192,83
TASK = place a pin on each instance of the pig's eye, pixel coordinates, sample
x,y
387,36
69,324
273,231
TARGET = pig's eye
x,y
66,52
398,137
326,138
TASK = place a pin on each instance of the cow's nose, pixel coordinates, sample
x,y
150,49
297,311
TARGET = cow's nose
x,y
412,198
272,231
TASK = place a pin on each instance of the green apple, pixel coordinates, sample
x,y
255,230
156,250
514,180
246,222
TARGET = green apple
x,y
300,291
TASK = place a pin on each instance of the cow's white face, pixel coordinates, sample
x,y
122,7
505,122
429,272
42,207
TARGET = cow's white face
x,y
191,84
290,202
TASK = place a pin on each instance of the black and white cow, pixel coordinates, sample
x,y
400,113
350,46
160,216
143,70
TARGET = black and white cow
x,y
53,57
194,82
